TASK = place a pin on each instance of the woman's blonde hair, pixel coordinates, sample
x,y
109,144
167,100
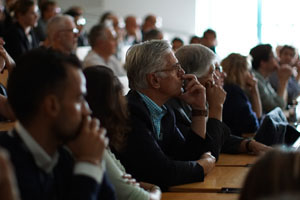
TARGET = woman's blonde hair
x,y
235,66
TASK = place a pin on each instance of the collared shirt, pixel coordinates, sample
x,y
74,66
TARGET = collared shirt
x,y
93,58
269,97
45,162
156,113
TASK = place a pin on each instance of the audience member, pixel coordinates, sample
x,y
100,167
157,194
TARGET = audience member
x,y
176,43
274,174
62,34
48,10
149,23
195,40
20,37
52,112
209,39
264,64
110,19
240,113
76,12
242,107
153,34
105,97
199,60
102,39
286,58
156,151
133,33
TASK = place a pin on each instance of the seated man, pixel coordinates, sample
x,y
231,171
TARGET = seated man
x,y
103,41
199,60
46,91
157,151
264,64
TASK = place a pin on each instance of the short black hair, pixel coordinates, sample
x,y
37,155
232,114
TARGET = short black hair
x,y
209,31
177,39
22,6
260,53
38,73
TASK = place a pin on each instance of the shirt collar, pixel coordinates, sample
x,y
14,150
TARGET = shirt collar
x,y
156,112
41,158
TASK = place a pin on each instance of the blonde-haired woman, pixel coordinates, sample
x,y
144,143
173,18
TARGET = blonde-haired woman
x,y
242,108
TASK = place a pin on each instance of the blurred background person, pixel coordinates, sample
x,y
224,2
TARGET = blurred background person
x,y
20,37
77,13
286,59
48,10
177,43
274,174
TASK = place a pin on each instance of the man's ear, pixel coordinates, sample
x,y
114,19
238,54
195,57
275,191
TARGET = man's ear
x,y
51,105
153,80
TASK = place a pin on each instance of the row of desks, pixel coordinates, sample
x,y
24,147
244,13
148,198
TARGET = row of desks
x,y
223,182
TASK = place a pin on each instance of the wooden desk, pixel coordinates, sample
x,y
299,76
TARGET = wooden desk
x,y
198,196
218,178
236,160
6,126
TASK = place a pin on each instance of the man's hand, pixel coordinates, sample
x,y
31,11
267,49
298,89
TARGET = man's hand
x,y
90,144
284,72
195,94
258,148
207,161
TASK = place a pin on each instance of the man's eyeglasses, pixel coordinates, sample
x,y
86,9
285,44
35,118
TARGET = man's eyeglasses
x,y
73,30
176,67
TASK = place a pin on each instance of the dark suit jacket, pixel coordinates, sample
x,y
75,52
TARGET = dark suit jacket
x,y
16,42
166,162
215,128
35,184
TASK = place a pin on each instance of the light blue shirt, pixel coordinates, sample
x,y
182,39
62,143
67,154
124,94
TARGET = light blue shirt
x,y
156,113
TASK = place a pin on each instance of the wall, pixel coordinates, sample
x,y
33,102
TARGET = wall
x,y
178,15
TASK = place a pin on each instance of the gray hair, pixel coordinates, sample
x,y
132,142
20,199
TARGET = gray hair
x,y
195,59
57,23
143,59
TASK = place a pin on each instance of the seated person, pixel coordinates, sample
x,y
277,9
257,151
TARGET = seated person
x,y
242,107
50,114
102,39
106,100
240,113
20,37
157,151
176,43
274,174
286,58
264,64
199,60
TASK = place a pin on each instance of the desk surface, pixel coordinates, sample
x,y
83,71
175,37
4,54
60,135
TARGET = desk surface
x,y
198,196
218,178
6,126
236,160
